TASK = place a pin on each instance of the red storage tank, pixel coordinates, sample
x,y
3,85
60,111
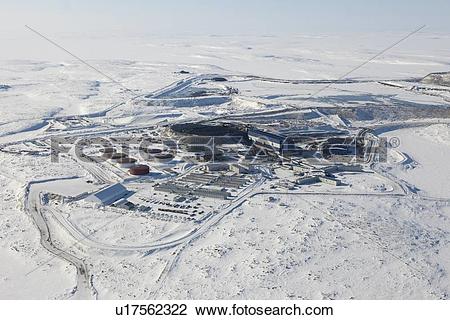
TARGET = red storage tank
x,y
139,170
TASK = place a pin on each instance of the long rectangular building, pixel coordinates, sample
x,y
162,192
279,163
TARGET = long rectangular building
x,y
204,192
268,139
108,195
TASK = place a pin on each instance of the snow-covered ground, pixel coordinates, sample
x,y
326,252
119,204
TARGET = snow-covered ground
x,y
311,247
384,234
21,252
427,153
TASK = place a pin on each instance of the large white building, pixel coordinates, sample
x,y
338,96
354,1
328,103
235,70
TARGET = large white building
x,y
108,195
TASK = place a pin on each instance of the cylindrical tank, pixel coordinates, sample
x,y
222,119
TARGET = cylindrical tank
x,y
163,157
106,153
117,156
153,150
108,150
139,170
149,153
126,162
107,156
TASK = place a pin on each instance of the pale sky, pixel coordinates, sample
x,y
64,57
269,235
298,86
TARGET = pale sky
x,y
225,17
85,25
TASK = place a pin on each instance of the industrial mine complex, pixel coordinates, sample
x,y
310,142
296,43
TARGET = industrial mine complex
x,y
165,179
171,172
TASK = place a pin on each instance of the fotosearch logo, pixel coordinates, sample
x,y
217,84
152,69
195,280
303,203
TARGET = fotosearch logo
x,y
228,149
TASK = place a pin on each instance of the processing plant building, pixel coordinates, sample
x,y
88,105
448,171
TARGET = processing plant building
x,y
109,195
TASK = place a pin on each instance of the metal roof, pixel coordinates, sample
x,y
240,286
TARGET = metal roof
x,y
109,194
273,137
